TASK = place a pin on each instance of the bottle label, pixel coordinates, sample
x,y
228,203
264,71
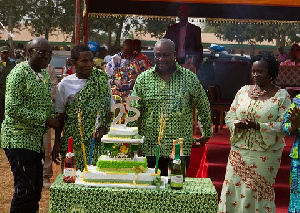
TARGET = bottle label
x,y
69,172
177,179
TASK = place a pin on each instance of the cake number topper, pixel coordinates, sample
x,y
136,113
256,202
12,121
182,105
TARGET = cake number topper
x,y
122,111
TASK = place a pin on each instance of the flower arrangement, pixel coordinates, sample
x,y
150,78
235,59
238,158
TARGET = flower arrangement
x,y
121,151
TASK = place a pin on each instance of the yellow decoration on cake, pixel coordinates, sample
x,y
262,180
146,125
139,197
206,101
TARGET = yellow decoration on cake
x,y
124,149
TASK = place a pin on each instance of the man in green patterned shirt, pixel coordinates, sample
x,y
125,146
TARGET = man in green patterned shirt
x,y
28,113
168,93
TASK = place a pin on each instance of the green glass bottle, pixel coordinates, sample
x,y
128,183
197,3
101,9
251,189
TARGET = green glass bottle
x,y
171,161
176,170
182,157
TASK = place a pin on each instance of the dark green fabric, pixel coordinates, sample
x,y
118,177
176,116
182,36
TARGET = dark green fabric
x,y
93,99
197,195
27,104
175,100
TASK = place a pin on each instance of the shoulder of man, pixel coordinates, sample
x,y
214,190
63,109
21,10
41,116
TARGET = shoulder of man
x,y
146,74
192,26
100,73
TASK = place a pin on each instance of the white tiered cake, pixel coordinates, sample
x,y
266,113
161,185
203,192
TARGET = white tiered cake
x,y
119,168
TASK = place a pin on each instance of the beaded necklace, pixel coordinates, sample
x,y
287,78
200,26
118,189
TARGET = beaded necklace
x,y
255,93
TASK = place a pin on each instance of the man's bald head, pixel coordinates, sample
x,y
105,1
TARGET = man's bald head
x,y
167,43
39,53
38,43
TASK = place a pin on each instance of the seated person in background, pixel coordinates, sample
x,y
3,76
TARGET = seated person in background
x,y
85,92
124,67
98,60
282,55
68,69
142,60
187,38
295,57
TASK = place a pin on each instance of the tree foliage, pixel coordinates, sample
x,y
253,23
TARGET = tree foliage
x,y
254,33
156,28
44,16
12,12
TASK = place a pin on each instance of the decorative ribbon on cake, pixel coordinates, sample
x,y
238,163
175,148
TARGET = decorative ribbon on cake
x,y
162,126
157,181
139,169
82,142
157,157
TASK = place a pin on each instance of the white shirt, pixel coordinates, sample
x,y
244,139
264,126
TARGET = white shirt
x,y
67,91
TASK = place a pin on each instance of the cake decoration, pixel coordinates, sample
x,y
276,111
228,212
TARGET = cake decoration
x,y
122,167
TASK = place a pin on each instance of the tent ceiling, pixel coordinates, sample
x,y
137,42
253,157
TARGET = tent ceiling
x,y
287,10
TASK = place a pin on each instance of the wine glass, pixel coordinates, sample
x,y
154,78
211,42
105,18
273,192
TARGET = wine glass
x,y
108,147
135,147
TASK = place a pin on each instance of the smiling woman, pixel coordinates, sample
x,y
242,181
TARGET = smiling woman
x,y
256,141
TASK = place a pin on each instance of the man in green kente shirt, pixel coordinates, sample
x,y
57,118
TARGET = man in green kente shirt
x,y
168,92
6,66
85,94
28,113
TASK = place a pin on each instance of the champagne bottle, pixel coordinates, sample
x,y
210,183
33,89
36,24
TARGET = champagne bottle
x,y
69,164
171,160
176,170
182,157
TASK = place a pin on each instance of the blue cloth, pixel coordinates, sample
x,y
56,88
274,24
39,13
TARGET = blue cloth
x,y
94,46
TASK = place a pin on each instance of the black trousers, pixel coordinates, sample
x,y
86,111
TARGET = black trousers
x,y
163,163
27,168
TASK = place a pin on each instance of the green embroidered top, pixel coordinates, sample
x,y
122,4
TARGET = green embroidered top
x,y
174,100
93,99
27,104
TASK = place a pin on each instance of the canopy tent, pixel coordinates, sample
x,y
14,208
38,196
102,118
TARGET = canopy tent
x,y
277,11
287,10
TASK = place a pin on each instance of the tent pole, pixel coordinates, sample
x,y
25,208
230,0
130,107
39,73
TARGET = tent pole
x,y
77,22
86,23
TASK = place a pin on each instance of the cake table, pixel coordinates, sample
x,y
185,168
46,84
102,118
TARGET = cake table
x,y
197,195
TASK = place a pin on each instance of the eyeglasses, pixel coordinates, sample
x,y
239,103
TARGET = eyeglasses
x,y
43,53
160,56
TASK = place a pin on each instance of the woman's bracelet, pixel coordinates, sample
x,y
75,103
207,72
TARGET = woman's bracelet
x,y
257,126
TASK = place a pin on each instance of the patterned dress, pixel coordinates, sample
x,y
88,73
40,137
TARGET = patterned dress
x,y
294,206
93,99
255,155
126,70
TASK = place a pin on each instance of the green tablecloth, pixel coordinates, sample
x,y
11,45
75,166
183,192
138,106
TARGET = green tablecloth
x,y
197,195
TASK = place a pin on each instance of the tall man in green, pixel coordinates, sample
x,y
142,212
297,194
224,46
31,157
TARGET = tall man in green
x,y
6,66
28,113
85,94
167,93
